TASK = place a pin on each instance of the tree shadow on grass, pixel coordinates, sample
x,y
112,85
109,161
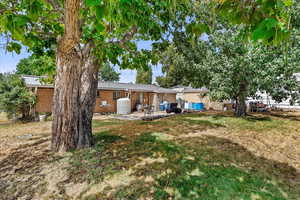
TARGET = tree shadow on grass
x,y
249,117
253,118
203,123
106,137
227,169
208,168
90,164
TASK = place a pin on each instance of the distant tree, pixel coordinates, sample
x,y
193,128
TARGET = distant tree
x,y
38,66
144,76
233,69
15,98
174,74
107,73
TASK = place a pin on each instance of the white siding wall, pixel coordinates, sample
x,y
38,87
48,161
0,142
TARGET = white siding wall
x,y
269,101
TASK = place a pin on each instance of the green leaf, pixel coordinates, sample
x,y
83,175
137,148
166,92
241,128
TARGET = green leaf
x,y
99,27
34,10
100,12
270,23
265,30
288,2
13,46
93,2
21,20
197,29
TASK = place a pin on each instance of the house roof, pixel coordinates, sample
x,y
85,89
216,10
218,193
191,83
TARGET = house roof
x,y
35,81
133,86
195,90
189,89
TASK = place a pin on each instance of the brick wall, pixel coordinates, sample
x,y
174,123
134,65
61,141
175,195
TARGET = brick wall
x,y
44,99
105,103
106,96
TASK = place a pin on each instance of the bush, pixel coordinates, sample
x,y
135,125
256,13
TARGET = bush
x,y
15,98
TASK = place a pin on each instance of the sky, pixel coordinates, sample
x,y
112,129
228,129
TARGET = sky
x,y
9,61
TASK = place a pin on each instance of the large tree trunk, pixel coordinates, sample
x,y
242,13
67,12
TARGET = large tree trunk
x,y
240,108
75,87
74,100
89,85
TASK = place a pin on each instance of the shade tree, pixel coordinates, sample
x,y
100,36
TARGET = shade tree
x,y
84,34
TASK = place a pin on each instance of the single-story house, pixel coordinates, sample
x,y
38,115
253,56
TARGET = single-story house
x,y
107,95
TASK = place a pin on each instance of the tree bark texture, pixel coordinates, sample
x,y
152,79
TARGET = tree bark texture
x,y
240,108
75,87
74,100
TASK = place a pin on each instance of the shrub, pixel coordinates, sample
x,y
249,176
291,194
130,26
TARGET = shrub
x,y
15,98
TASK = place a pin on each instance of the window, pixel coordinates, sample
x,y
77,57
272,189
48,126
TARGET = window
x,y
98,94
116,95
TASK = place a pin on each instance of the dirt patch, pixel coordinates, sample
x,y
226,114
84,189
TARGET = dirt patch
x,y
14,134
21,170
120,179
54,173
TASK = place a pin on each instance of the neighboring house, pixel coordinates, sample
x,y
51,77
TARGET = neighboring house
x,y
285,105
196,95
107,95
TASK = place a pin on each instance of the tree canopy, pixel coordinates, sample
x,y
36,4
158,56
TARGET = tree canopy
x,y
108,73
38,66
144,76
36,24
235,70
15,98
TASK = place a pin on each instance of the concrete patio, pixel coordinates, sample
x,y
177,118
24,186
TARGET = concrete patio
x,y
134,116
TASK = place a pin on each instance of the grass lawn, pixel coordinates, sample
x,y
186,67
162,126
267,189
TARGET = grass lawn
x,y
191,156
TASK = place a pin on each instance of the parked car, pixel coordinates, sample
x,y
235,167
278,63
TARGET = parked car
x,y
258,106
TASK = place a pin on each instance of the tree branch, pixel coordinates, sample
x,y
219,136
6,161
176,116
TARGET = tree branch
x,y
55,5
127,37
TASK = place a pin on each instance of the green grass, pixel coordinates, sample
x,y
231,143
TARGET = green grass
x,y
193,176
193,173
92,162
249,123
205,167
101,123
